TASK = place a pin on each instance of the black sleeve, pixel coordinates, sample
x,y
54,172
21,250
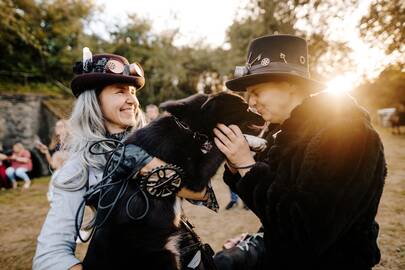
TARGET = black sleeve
x,y
252,187
230,179
256,181
341,174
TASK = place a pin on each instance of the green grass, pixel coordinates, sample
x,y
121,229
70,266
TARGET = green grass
x,y
39,186
46,89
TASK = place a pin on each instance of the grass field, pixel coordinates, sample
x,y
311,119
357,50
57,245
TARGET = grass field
x,y
22,213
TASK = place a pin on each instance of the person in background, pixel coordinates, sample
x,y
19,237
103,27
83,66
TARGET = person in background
x,y
152,112
3,175
233,202
54,153
21,163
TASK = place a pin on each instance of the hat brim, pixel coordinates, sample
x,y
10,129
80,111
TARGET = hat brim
x,y
241,84
89,81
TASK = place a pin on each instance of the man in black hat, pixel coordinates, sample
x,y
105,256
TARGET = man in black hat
x,y
317,188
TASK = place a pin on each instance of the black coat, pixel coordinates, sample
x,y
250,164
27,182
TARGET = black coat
x,y
317,190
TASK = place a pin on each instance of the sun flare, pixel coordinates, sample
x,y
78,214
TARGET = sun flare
x,y
342,83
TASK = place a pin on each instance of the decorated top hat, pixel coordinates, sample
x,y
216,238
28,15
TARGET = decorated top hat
x,y
100,70
275,58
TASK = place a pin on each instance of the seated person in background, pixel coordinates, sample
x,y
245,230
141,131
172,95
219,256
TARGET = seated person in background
x,y
53,153
3,176
21,163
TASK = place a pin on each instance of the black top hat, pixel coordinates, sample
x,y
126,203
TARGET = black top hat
x,y
275,58
105,69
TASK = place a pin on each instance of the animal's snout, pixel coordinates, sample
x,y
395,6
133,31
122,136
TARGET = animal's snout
x,y
256,144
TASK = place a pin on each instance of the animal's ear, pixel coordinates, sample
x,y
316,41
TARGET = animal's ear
x,y
174,107
184,107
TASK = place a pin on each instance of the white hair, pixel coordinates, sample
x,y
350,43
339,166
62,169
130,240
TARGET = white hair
x,y
87,127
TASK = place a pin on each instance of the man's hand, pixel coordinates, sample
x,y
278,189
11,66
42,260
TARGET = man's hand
x,y
231,142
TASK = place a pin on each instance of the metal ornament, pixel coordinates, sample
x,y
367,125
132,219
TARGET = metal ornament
x,y
114,66
206,147
258,58
240,71
265,62
163,181
302,59
282,56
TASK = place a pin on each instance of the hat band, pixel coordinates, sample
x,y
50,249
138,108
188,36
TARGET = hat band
x,y
105,65
277,67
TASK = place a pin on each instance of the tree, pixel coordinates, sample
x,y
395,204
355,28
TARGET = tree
x,y
385,22
264,17
41,38
386,91
171,72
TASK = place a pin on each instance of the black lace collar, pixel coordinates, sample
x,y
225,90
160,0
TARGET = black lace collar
x,y
117,136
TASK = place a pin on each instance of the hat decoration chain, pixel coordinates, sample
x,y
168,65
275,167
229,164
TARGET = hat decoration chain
x,y
244,70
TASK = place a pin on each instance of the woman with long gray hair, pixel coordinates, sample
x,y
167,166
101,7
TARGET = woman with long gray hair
x,y
106,108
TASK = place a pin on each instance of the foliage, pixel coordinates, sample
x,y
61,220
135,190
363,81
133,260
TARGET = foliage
x,y
386,91
41,39
264,17
385,22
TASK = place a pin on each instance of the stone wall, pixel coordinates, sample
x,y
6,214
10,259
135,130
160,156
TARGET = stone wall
x,y
23,118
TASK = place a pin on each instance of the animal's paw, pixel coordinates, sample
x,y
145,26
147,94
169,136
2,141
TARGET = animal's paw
x,y
256,144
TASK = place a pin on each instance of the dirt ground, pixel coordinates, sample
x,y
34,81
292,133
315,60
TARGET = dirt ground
x,y
22,213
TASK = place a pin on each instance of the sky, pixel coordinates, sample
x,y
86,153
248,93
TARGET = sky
x,y
197,20
206,21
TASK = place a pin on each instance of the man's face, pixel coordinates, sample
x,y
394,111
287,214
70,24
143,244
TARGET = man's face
x,y
152,113
272,100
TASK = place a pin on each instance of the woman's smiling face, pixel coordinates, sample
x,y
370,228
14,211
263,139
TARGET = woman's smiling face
x,y
118,105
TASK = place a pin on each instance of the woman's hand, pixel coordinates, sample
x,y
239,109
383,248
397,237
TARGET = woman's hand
x,y
42,148
76,267
193,195
231,142
155,162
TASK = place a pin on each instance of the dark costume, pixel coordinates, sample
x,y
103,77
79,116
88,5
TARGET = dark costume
x,y
317,190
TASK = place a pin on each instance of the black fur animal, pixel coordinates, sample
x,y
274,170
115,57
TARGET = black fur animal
x,y
157,241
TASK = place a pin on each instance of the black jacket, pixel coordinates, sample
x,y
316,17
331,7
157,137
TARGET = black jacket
x,y
317,190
